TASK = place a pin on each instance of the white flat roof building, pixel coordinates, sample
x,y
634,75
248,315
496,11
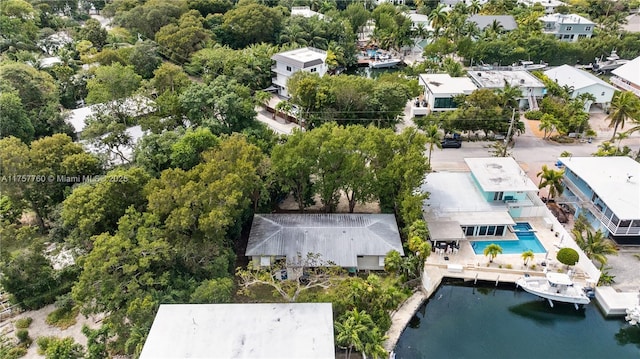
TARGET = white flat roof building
x,y
443,84
500,174
257,331
549,5
305,11
495,79
287,63
616,180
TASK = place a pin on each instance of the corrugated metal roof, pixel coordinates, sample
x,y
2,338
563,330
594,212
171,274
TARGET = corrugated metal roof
x,y
336,238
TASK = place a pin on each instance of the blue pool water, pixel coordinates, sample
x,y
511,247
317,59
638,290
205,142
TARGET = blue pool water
x,y
526,241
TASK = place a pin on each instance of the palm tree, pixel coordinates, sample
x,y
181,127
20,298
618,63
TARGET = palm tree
x,y
353,329
492,250
552,179
438,16
433,139
509,95
595,246
373,347
625,105
496,27
633,129
527,256
474,7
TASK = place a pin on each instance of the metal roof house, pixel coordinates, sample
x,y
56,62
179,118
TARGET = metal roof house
x,y
358,241
582,82
627,76
287,63
607,191
549,5
508,22
257,331
481,203
440,90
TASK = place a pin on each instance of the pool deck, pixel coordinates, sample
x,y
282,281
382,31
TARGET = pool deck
x,y
506,268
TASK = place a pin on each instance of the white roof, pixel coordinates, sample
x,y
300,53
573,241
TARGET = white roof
x,y
545,3
483,218
445,84
629,71
565,19
257,331
455,192
302,58
496,79
609,177
500,174
135,106
304,11
420,18
571,76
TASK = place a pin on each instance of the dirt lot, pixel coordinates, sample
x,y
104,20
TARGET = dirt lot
x,y
39,328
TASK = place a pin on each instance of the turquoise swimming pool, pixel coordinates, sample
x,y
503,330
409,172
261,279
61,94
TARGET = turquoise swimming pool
x,y
527,240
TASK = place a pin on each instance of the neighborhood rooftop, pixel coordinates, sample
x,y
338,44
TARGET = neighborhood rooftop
x,y
507,21
629,71
336,238
499,174
302,58
445,84
616,180
496,79
257,331
565,19
571,76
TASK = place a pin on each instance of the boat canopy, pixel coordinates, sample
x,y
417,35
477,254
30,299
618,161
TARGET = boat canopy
x,y
559,279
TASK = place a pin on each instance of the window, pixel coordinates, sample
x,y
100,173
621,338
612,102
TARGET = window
x,y
582,36
444,102
289,68
469,231
625,223
571,37
566,36
499,230
602,94
491,231
569,28
497,196
314,69
483,231
588,28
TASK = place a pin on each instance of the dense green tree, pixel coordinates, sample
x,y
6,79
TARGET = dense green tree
x,y
206,7
145,59
151,16
13,118
250,23
112,83
30,279
39,96
213,291
224,105
49,161
568,256
187,151
169,78
95,207
180,40
18,25
65,348
93,31
153,151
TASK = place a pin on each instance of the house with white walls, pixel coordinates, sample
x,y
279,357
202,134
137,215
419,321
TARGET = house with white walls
x,y
440,91
287,63
569,27
580,82
627,77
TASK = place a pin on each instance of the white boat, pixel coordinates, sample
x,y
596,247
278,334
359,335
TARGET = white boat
x,y
612,62
529,65
555,287
384,61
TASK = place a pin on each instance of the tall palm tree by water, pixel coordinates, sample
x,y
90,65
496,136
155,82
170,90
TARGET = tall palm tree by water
x,y
595,245
624,106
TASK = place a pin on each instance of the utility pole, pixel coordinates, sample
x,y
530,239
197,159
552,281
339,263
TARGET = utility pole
x,y
506,139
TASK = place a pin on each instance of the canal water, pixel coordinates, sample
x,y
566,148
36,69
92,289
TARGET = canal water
x,y
466,321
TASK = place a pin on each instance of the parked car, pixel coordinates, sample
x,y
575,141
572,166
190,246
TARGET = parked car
x,y
451,143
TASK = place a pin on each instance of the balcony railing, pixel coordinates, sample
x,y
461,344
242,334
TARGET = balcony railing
x,y
625,86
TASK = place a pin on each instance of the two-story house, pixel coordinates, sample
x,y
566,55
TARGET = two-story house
x,y
483,202
569,28
440,91
531,88
287,63
607,191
